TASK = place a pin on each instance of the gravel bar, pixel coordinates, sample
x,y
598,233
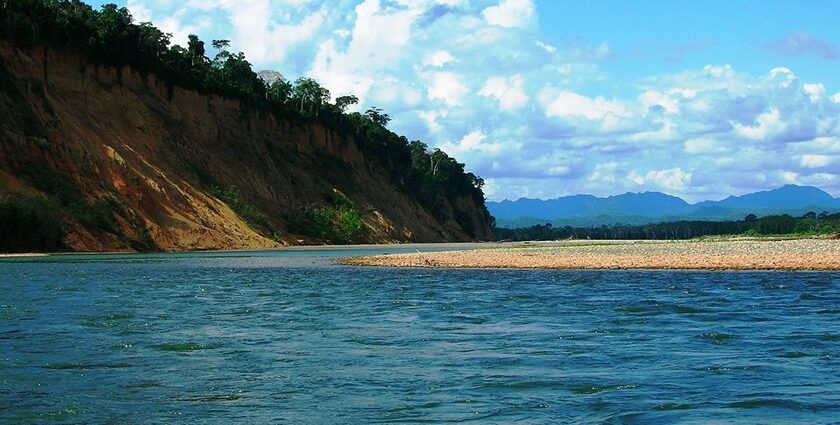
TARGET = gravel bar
x,y
736,254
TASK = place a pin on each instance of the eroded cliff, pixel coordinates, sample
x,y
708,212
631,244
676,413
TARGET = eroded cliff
x,y
141,164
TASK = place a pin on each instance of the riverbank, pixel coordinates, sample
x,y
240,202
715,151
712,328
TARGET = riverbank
x,y
418,247
731,254
25,254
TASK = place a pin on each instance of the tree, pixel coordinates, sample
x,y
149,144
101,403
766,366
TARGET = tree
x,y
434,160
342,102
378,116
269,76
280,91
152,41
474,181
309,95
113,27
750,218
238,76
220,44
196,48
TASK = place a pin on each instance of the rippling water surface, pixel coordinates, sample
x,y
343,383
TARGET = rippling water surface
x,y
285,337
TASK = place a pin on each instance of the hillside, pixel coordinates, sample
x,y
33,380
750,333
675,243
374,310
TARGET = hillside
x,y
654,207
99,157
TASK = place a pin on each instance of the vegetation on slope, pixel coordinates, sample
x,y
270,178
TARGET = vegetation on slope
x,y
247,212
34,223
110,36
29,224
810,224
339,222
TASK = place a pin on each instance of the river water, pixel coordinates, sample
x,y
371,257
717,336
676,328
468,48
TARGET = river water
x,y
289,337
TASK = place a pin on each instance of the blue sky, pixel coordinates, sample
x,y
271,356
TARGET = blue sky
x,y
551,98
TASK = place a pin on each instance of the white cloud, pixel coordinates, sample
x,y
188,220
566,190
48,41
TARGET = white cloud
x,y
139,11
815,91
673,179
547,47
815,161
604,173
438,58
446,86
658,130
473,141
710,78
571,104
267,40
509,92
510,13
652,98
790,177
767,123
784,75
703,146
431,120
376,47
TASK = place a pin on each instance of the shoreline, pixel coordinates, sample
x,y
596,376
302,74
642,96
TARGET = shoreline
x,y
732,254
725,253
418,246
25,255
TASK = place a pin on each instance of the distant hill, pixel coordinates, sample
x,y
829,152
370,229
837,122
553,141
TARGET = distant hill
x,y
651,207
788,196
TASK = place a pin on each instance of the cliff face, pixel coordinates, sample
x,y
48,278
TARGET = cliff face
x,y
155,156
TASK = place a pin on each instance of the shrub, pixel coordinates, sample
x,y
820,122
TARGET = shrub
x,y
247,212
29,224
96,215
341,223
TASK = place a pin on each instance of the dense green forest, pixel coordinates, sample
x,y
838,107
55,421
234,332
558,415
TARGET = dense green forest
x,y
110,36
810,224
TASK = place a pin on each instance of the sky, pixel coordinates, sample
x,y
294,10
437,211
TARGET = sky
x,y
546,98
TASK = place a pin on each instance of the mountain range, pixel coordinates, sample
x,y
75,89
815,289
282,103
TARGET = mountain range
x,y
651,207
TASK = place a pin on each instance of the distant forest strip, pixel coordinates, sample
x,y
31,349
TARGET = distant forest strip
x,y
810,224
110,36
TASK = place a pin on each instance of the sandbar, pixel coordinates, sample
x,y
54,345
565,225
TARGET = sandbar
x,y
724,254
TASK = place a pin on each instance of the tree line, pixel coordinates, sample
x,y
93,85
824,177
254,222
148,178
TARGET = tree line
x,y
809,224
111,36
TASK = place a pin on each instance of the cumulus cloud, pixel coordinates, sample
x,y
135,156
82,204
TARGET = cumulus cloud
x,y
800,43
815,161
604,173
438,58
474,141
446,86
705,146
673,179
815,91
668,103
510,13
509,92
766,123
570,104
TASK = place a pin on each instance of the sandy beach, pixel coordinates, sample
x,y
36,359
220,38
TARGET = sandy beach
x,y
735,254
26,254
